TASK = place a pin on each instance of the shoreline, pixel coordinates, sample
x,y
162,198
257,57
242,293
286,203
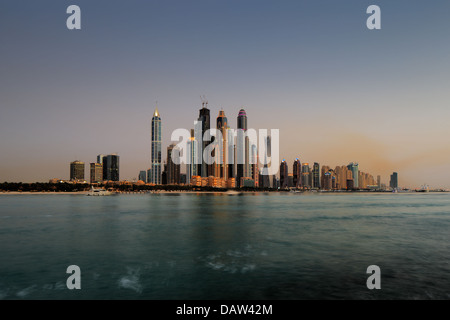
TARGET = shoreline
x,y
41,193
234,192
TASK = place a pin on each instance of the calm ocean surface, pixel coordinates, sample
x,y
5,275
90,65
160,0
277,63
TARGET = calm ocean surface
x,y
215,246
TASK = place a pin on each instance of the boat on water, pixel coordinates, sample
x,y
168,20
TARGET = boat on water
x,y
99,192
423,188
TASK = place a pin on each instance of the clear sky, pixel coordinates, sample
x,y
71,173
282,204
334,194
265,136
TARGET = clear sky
x,y
337,91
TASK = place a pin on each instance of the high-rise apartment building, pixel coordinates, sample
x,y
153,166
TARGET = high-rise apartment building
x,y
156,176
191,166
306,176
149,175
254,160
173,169
325,169
297,173
284,172
266,181
316,176
343,174
242,156
354,168
327,181
393,183
143,176
100,158
96,172
221,163
164,174
111,167
77,170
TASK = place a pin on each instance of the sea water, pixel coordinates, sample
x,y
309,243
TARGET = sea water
x,y
220,246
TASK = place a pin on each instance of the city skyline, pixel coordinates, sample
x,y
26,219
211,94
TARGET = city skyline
x,y
302,176
338,92
156,137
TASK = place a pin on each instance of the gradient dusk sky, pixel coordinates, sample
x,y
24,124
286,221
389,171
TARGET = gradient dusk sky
x,y
337,91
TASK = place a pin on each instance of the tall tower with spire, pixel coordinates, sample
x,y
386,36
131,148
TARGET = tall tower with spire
x,y
204,169
156,148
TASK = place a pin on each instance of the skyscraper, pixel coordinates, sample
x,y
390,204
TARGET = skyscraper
x,y
100,158
204,117
290,180
242,120
316,176
306,176
325,169
149,175
393,183
191,167
143,176
111,167
266,181
354,168
343,174
222,121
365,180
242,168
96,172
231,154
173,169
255,165
156,177
327,181
284,172
297,173
275,182
164,174
222,168
77,170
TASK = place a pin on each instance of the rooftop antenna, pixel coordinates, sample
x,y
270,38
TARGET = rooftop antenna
x,y
204,101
